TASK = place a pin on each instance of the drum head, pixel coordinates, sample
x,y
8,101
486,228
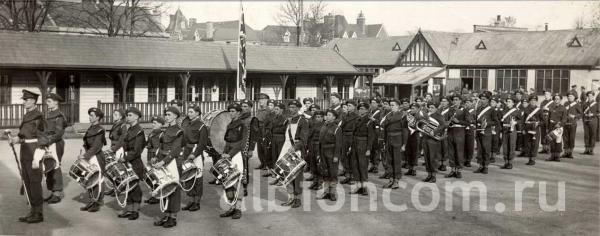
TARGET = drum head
x,y
217,121
49,164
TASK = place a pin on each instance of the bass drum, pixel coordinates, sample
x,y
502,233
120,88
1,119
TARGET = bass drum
x,y
217,121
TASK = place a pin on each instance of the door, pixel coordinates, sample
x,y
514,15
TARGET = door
x,y
67,86
467,83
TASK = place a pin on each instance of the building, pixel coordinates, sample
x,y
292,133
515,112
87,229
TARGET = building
x,y
497,26
372,55
91,71
89,17
439,62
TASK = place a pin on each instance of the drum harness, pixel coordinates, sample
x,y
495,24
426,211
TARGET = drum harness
x,y
200,170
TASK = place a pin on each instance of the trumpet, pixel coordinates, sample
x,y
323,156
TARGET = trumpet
x,y
428,128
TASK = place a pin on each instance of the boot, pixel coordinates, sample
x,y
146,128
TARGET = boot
x,y
432,180
134,215
467,164
94,208
544,150
24,218
389,184
86,207
109,192
214,181
452,174
171,222
504,166
237,213
493,158
385,176
53,199
479,170
228,213
458,174
188,206
126,214
485,170
289,202
35,218
347,180
394,184
507,166
530,162
364,191
161,222
587,149
404,166
411,172
296,203
442,167
195,206
429,176
151,200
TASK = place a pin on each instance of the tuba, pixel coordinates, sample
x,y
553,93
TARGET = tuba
x,y
412,121
428,128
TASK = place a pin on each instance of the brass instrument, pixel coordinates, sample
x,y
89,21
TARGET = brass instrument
x,y
481,125
428,128
412,121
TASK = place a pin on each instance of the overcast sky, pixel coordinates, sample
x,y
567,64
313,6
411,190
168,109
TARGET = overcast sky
x,y
399,17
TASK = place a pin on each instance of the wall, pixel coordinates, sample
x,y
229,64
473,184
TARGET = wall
x,y
94,87
24,80
585,78
141,87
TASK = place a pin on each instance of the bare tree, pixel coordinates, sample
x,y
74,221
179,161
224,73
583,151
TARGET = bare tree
x,y
292,13
579,23
314,28
510,21
29,15
306,18
595,21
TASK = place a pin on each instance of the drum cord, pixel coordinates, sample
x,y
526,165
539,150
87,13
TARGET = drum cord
x,y
236,196
124,203
163,207
190,189
99,190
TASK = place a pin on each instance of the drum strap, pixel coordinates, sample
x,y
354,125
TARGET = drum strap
x,y
290,136
483,112
588,108
508,114
532,114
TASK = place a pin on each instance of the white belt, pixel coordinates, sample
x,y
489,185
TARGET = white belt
x,y
457,126
30,140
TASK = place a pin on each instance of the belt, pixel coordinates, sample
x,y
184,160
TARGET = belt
x,y
361,138
457,126
328,145
191,145
30,140
394,133
278,134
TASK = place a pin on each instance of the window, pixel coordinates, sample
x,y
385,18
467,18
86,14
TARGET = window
x,y
226,89
477,77
511,80
286,36
344,88
129,93
555,80
157,88
4,89
200,89
290,88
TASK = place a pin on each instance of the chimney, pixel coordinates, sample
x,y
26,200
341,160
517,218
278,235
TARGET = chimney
x,y
157,16
192,22
545,26
209,31
498,20
360,21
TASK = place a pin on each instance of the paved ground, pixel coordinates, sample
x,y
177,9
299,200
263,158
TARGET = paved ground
x,y
403,211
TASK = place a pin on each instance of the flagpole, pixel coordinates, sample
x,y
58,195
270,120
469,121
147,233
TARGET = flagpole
x,y
238,91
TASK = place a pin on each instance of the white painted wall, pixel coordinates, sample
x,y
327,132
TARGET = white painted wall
x,y
141,88
491,80
584,78
453,73
23,80
531,80
171,89
94,87
307,87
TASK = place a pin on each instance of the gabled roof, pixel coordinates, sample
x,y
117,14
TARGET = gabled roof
x,y
371,51
44,50
530,48
407,75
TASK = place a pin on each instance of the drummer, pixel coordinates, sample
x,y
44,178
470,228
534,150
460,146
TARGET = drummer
x,y
234,138
168,156
195,139
133,145
93,141
116,135
153,145
299,142
277,132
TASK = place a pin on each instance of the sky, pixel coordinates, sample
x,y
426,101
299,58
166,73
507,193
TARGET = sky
x,y
401,17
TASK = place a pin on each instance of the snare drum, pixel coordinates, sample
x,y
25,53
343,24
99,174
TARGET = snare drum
x,y
161,182
288,167
189,171
225,172
123,177
86,174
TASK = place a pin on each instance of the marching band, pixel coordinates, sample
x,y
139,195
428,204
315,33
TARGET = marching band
x,y
348,140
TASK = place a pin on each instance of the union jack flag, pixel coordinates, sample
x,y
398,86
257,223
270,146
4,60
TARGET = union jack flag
x,y
241,72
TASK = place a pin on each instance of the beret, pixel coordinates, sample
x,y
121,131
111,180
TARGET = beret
x,y
55,97
295,103
236,106
247,102
263,96
337,95
363,104
173,110
158,119
99,113
307,99
134,110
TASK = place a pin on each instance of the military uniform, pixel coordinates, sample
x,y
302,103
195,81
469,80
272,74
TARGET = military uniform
x,y
470,137
496,134
134,143
235,139
509,120
170,150
56,123
557,118
264,151
313,151
362,142
117,134
591,112
458,121
93,141
299,141
445,142
432,147
330,143
412,144
395,127
574,113
153,144
277,126
31,135
195,139
382,149
348,125
484,136
375,157
545,106
251,123
531,124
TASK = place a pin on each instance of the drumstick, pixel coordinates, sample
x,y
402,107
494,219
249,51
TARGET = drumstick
x,y
12,146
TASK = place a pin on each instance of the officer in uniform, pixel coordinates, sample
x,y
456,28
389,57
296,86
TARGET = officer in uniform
x,y
153,145
299,141
469,131
510,118
557,119
519,105
574,113
363,136
531,124
395,128
348,126
459,119
315,125
375,114
133,145
195,139
591,112
263,114
116,136
169,156
444,110
277,129
31,136
431,145
56,122
236,137
330,143
546,105
485,121
93,141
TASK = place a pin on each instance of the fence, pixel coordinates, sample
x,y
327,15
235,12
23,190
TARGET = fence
x,y
11,115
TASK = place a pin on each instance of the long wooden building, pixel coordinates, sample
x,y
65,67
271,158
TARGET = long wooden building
x,y
87,71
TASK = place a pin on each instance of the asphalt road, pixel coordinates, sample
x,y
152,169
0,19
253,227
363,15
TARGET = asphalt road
x,y
563,199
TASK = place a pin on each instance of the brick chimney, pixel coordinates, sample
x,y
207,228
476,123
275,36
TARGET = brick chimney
x,y
361,22
545,26
498,20
209,31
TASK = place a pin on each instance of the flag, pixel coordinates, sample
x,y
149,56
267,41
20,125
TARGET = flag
x,y
241,70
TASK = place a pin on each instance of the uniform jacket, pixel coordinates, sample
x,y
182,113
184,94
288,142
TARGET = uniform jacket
x,y
574,112
117,134
195,135
558,115
300,139
395,127
134,144
590,110
483,113
56,123
234,136
365,128
33,127
154,140
171,143
93,140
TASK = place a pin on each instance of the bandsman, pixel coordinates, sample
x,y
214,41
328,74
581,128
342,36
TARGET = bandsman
x,y
362,143
263,114
509,120
277,128
330,143
117,138
153,145
56,122
93,141
557,120
348,125
458,121
300,139
195,141
469,132
133,145
433,146
546,105
315,125
574,113
395,130
531,120
485,121
444,110
591,112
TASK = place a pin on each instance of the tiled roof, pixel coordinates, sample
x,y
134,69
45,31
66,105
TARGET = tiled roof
x,y
531,48
44,50
407,75
371,51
